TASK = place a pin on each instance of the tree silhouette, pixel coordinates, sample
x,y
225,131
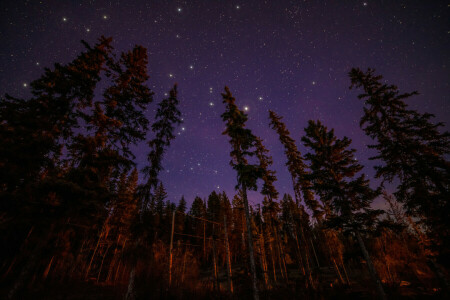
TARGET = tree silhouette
x,y
411,149
242,142
296,167
346,198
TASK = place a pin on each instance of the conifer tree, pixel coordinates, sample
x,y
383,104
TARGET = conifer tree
x,y
347,197
410,148
296,167
167,117
242,142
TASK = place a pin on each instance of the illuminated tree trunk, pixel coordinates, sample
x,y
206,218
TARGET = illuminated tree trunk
x,y
250,244
227,248
372,271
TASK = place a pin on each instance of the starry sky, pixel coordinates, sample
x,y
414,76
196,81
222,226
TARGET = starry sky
x,y
288,56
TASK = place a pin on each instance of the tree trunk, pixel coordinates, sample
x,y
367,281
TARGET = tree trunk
x,y
372,271
250,244
227,248
131,292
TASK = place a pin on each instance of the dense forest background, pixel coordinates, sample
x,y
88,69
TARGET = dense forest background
x,y
81,220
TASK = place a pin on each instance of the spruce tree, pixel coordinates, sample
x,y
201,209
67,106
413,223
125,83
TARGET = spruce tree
x,y
411,149
242,142
167,117
347,198
296,167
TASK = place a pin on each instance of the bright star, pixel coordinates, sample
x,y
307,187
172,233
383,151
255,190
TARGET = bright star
x,y
260,98
237,7
183,129
191,67
37,63
313,83
365,3
170,75
211,104
246,108
88,30
65,19
179,9
25,85
105,17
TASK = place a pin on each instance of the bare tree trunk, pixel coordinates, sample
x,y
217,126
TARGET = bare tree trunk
x,y
372,271
131,292
30,264
171,249
273,262
250,244
216,281
227,248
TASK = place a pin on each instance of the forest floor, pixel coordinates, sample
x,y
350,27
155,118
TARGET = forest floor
x,y
330,288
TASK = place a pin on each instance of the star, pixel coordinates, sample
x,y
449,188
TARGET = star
x,y
313,83
237,7
171,75
25,85
37,63
179,9
211,104
105,17
260,98
365,3
64,19
191,67
88,30
246,108
183,129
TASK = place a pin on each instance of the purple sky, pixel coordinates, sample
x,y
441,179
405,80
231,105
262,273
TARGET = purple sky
x,y
288,56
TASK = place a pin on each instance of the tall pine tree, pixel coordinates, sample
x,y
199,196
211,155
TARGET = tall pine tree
x,y
242,142
347,198
412,149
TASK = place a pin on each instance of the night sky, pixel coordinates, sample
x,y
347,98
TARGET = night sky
x,y
288,56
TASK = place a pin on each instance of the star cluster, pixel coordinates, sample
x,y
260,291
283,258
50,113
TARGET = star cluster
x,y
288,56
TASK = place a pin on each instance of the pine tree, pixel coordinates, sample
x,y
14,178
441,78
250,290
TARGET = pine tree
x,y
243,143
412,149
346,198
167,117
296,167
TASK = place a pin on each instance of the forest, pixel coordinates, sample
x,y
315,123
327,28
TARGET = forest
x,y
80,220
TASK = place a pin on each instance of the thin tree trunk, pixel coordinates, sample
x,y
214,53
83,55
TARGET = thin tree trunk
x,y
273,261
250,244
372,271
315,255
338,272
216,282
171,248
30,264
227,248
131,292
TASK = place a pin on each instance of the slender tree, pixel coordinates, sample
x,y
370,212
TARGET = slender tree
x,y
167,117
296,167
242,142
